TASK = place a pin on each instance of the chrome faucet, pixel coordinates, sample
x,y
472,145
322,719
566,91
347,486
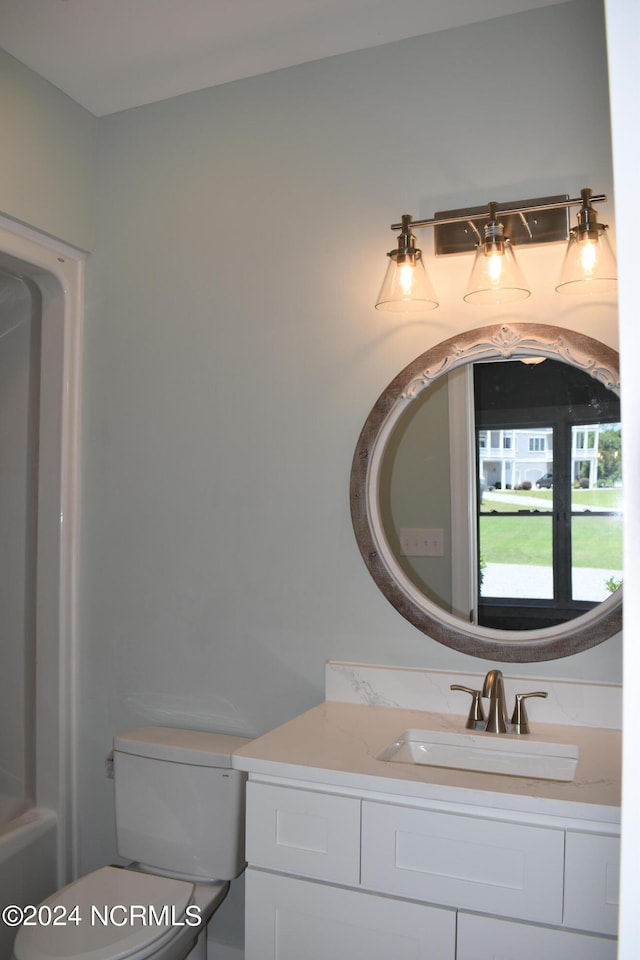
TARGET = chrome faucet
x,y
494,689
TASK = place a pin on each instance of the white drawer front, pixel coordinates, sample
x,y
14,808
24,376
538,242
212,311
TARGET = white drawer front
x,y
289,919
299,831
489,865
487,938
592,871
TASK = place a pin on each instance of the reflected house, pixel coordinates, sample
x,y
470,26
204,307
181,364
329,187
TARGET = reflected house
x,y
509,457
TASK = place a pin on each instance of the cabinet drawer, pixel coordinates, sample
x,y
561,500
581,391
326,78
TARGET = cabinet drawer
x,y
592,870
503,868
487,938
300,831
289,919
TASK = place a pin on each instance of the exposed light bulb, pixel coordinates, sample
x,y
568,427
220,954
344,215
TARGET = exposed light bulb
x,y
494,267
406,277
588,256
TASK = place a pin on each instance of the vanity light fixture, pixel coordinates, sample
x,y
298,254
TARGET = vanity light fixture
x,y
589,265
406,287
496,277
492,232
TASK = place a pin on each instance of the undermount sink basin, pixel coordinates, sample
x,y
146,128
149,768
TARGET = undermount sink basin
x,y
486,753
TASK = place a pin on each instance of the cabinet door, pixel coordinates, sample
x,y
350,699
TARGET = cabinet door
x,y
304,832
592,869
291,919
492,866
488,938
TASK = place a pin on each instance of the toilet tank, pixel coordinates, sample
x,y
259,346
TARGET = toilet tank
x,y
179,805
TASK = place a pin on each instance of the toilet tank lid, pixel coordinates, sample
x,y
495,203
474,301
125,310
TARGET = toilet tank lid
x,y
181,746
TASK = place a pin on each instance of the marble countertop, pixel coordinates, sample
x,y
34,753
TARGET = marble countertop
x,y
338,743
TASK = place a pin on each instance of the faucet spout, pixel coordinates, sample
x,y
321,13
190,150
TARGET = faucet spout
x,y
494,689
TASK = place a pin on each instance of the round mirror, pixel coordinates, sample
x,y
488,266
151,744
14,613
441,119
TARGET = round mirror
x,y
486,493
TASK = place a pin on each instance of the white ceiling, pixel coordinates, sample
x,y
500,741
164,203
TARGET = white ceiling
x,y
109,55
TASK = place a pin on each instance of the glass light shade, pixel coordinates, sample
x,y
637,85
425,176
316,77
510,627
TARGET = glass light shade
x,y
496,276
589,265
406,287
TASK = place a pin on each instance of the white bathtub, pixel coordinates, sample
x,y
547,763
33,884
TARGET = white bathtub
x,y
27,864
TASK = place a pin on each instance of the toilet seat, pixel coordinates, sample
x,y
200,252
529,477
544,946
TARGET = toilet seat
x,y
90,939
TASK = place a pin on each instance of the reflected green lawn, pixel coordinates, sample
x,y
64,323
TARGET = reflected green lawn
x,y
597,541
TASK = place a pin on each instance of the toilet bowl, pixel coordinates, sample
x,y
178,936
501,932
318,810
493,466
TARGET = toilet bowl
x,y
118,913
179,810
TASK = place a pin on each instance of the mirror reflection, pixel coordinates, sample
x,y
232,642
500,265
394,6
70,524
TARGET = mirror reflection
x,y
548,440
543,493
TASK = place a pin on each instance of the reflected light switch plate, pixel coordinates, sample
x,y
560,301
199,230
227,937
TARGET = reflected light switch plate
x,y
421,542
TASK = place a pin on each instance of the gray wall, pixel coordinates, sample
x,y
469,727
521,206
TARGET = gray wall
x,y
47,159
232,353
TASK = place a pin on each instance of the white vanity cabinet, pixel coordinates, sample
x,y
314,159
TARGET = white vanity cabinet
x,y
487,938
293,919
353,875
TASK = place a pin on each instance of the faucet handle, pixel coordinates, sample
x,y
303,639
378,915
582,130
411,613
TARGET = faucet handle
x,y
476,713
519,719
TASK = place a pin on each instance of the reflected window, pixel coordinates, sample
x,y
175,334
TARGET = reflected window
x,y
549,508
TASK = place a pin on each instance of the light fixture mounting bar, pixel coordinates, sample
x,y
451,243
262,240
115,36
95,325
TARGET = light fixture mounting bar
x,y
542,220
539,220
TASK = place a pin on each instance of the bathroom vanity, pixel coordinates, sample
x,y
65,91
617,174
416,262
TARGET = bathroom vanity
x,y
352,856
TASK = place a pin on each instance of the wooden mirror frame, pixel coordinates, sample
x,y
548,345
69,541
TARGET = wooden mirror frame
x,y
500,341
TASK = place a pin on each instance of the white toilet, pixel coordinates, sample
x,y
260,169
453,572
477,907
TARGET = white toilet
x,y
180,819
